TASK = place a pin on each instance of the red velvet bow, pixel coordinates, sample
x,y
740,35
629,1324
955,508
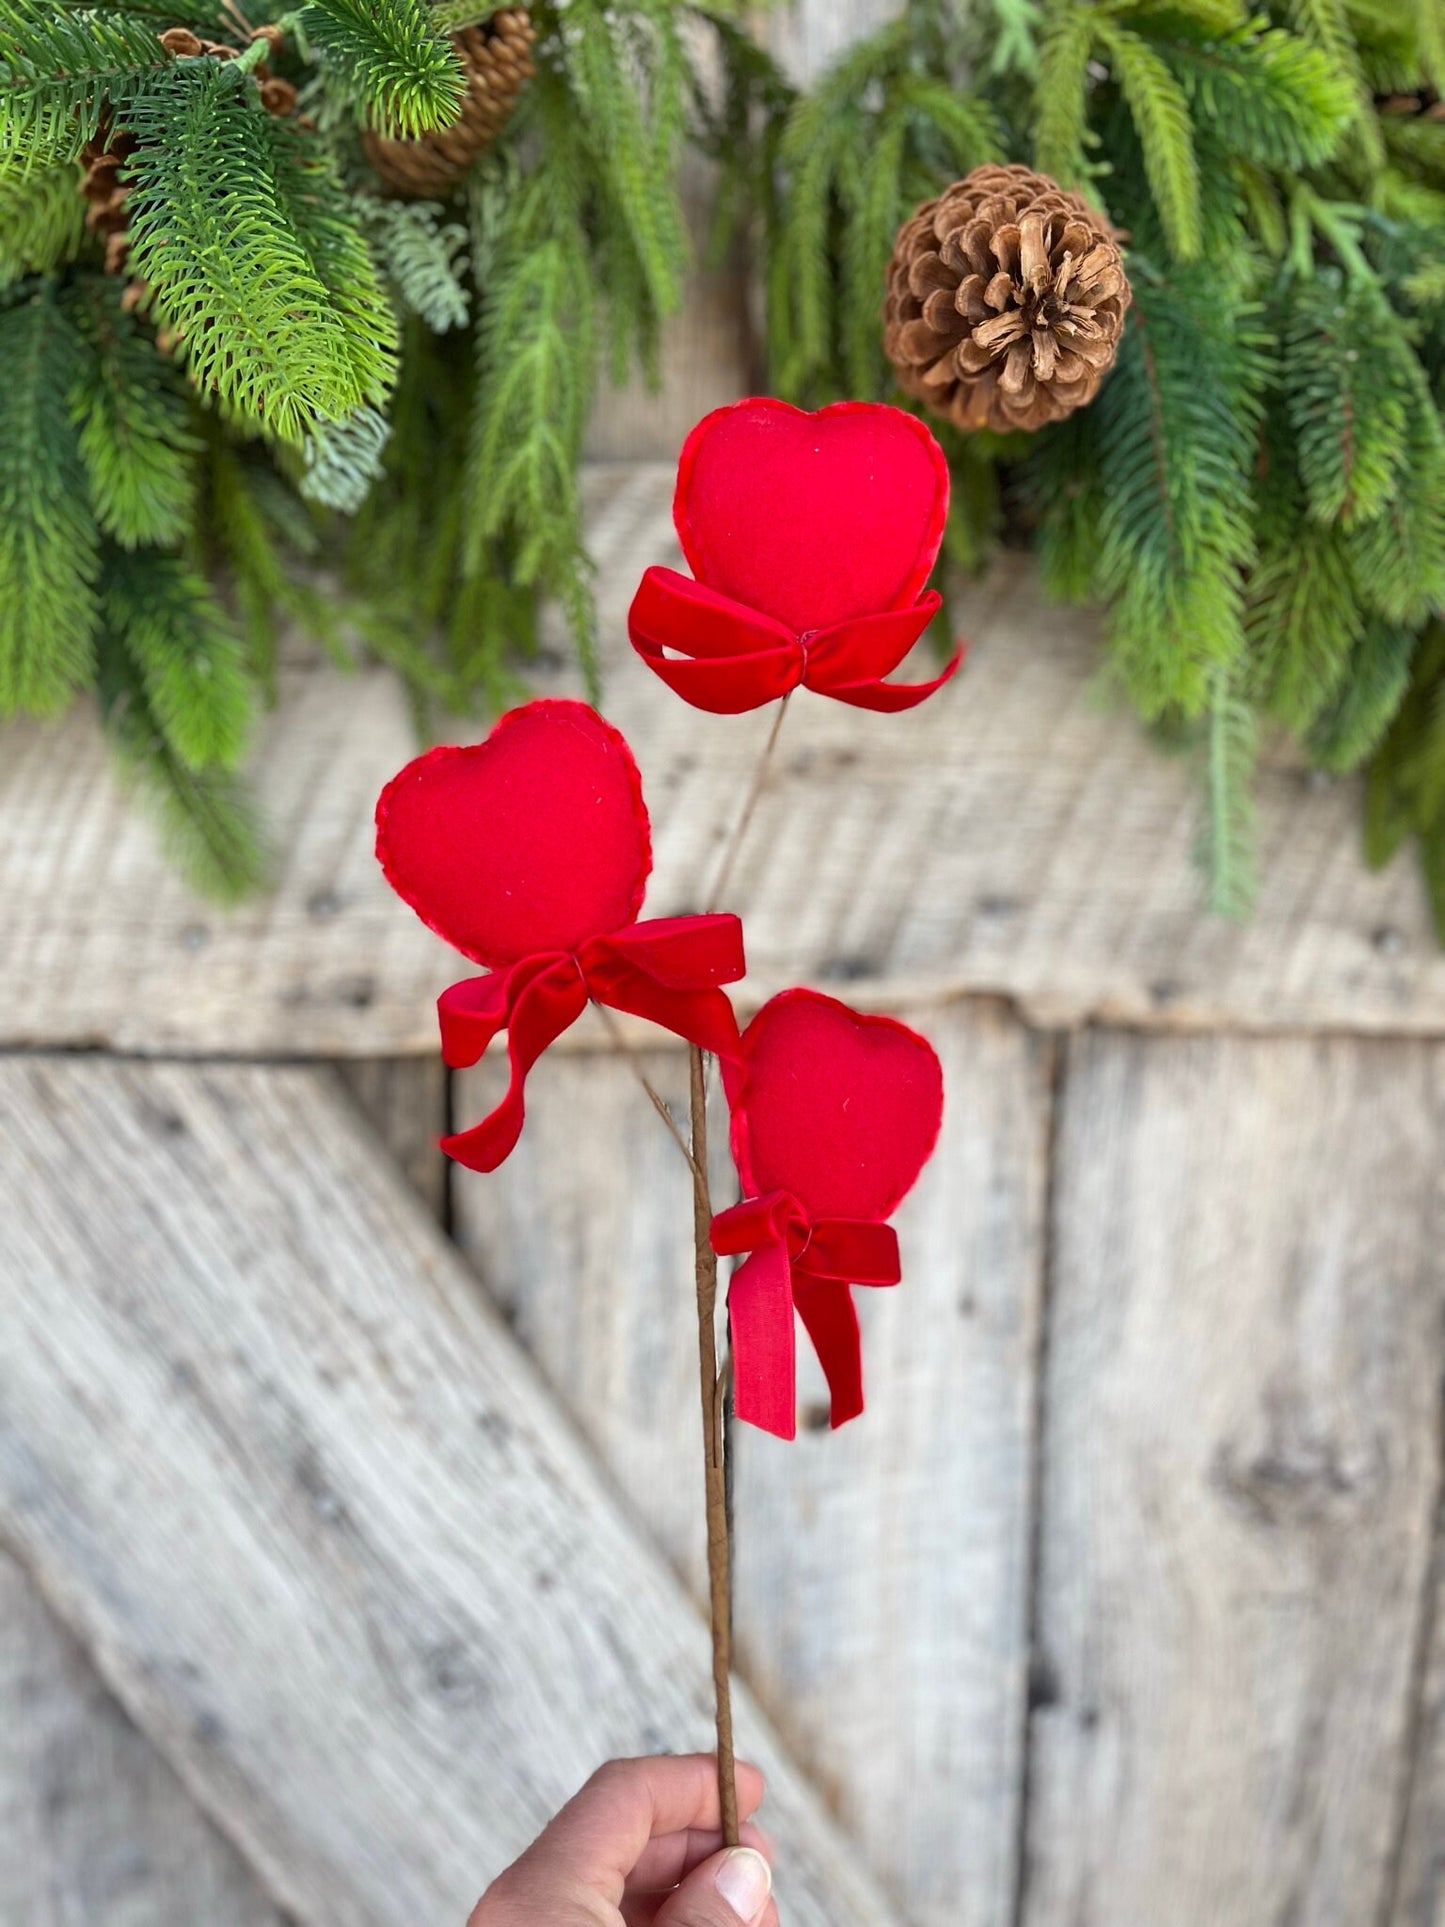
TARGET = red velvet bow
x,y
529,853
803,1264
738,659
810,538
668,969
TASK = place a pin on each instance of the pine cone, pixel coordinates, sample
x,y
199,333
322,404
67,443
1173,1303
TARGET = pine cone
x,y
1006,300
101,160
497,57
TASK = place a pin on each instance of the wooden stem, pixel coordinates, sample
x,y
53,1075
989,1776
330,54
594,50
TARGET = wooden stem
x,y
719,1585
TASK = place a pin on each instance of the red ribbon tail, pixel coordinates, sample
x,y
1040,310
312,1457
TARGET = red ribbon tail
x,y
539,1008
760,1317
831,1318
470,1014
717,654
890,697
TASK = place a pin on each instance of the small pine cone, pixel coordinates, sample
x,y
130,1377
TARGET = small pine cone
x,y
497,57
1006,300
104,193
1424,105
181,44
278,96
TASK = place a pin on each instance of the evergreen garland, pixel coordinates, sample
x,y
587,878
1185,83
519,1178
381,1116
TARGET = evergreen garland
x,y
286,366
1257,496
185,437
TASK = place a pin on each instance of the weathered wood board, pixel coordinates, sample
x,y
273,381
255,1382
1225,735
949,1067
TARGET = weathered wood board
x,y
1241,1454
1014,837
1419,1879
269,1454
95,1828
405,1101
585,1245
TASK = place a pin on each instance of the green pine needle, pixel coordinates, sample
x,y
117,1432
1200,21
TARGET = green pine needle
x,y
49,550
41,219
1061,97
61,71
1375,682
133,423
1303,624
1349,388
1175,431
186,655
208,825
425,257
1159,108
1268,97
244,238
343,459
393,53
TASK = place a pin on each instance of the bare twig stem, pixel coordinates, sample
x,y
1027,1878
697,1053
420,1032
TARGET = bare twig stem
x,y
719,1587
750,803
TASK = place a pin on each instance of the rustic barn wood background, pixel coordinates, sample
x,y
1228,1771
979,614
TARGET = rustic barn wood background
x,y
351,1504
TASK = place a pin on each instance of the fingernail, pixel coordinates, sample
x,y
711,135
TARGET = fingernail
x,y
744,1879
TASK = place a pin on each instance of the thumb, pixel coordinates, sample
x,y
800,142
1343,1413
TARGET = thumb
x,y
730,1890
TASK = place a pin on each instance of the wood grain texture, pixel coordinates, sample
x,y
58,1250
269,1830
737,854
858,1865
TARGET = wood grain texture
x,y
95,1828
584,1243
1014,836
267,1451
1241,1474
1418,1899
405,1101
882,1571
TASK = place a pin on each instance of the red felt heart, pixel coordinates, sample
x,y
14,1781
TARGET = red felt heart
x,y
840,1109
532,841
811,519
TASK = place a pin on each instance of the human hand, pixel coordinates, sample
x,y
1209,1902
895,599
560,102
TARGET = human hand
x,y
640,1846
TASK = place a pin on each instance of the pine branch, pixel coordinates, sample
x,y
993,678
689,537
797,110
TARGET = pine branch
x,y
1373,686
534,382
207,824
627,81
343,460
1061,98
48,543
1348,390
132,422
1327,24
1176,424
1268,97
61,72
187,656
424,256
1405,791
395,56
244,238
41,220
1160,112
1303,625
